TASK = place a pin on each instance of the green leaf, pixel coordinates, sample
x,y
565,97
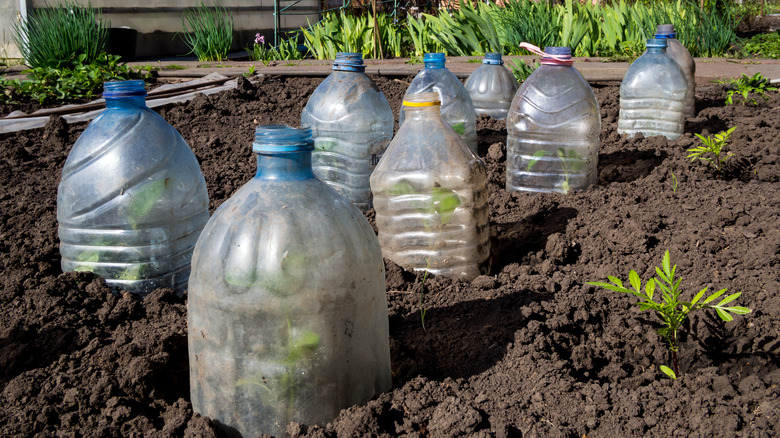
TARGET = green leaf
x,y
714,296
723,314
650,288
668,371
739,310
729,298
445,201
460,128
535,157
698,296
633,277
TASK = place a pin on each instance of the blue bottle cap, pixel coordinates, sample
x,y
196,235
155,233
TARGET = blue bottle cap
x,y
434,60
129,88
349,61
560,51
493,58
282,138
656,43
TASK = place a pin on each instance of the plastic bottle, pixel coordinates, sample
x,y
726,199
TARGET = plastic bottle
x,y
352,124
132,199
553,129
430,196
287,308
653,94
492,87
456,106
678,52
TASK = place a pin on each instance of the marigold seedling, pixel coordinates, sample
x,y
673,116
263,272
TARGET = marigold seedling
x,y
672,311
714,147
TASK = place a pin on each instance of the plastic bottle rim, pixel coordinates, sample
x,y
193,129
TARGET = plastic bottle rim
x,y
279,138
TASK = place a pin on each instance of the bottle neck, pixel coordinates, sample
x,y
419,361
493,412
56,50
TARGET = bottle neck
x,y
126,102
285,166
656,50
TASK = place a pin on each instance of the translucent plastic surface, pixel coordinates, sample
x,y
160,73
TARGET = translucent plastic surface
x,y
553,132
352,124
492,88
132,200
456,106
680,54
430,197
287,308
652,96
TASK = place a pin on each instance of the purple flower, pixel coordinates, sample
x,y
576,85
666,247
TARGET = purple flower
x,y
259,39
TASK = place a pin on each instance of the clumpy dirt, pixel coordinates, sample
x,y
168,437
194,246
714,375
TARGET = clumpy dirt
x,y
528,350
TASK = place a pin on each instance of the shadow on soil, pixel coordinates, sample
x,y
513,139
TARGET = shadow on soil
x,y
461,340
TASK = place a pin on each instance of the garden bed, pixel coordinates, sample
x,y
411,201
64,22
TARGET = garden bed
x,y
529,350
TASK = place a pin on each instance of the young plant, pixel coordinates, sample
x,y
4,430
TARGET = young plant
x,y
80,82
712,146
672,310
208,32
571,162
744,86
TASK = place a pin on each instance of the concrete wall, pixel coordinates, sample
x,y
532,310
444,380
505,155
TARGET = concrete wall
x,y
158,21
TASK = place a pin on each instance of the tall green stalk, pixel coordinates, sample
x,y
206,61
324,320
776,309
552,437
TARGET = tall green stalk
x,y
208,31
56,36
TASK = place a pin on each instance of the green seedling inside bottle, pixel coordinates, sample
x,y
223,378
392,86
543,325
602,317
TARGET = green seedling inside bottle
x,y
460,128
294,353
571,162
443,202
672,310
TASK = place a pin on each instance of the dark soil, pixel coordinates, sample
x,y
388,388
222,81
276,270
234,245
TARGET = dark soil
x,y
529,350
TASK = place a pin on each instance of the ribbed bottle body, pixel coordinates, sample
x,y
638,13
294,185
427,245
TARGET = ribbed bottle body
x,y
430,196
132,202
653,97
352,124
492,88
287,313
553,132
456,106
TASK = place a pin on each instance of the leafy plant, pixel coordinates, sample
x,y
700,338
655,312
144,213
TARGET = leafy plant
x,y
292,354
672,311
521,69
570,161
208,32
61,36
714,147
82,81
744,86
766,45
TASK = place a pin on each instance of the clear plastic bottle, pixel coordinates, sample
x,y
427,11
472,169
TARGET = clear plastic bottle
x,y
287,313
430,196
132,199
678,52
352,124
553,129
456,106
653,94
492,87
